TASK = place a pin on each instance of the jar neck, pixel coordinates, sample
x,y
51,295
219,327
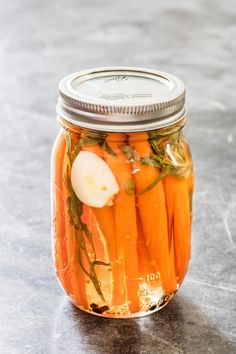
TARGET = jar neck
x,y
162,132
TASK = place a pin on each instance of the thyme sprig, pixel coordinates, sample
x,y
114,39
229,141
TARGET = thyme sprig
x,y
167,155
129,152
168,152
92,138
81,232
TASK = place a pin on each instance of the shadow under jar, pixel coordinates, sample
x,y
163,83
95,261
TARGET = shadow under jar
x,y
122,184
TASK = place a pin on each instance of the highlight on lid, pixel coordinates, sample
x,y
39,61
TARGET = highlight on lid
x,y
122,181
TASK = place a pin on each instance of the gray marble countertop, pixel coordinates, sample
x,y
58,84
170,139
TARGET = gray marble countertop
x,y
42,41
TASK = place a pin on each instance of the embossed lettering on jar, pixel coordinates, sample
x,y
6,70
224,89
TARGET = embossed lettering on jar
x,y
122,185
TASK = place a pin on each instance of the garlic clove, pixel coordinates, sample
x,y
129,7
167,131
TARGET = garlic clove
x,y
92,180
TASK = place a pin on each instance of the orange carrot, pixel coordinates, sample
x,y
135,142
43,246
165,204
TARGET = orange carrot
x,y
190,178
172,255
89,219
177,201
78,279
144,262
125,219
96,149
106,222
59,217
152,211
190,183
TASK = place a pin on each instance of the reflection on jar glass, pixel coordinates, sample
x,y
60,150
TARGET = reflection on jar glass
x,y
122,181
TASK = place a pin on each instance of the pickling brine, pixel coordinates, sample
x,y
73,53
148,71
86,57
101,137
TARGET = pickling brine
x,y
122,209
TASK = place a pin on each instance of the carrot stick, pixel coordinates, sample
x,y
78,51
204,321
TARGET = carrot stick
x,y
190,177
177,201
125,219
152,211
172,255
89,219
78,279
144,262
106,222
190,183
59,217
96,149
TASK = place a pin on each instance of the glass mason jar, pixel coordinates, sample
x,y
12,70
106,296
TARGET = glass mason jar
x,y
122,184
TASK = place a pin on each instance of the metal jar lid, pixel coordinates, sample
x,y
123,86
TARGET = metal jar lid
x,y
121,99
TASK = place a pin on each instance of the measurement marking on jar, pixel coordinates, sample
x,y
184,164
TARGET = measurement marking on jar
x,y
153,276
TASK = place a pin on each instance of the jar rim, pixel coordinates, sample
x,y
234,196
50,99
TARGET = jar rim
x,y
120,99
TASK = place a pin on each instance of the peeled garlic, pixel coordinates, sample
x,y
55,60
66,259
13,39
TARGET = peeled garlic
x,y
92,180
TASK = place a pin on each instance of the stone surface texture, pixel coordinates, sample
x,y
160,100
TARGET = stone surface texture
x,y
42,41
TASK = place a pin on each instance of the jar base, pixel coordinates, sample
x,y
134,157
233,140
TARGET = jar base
x,y
108,314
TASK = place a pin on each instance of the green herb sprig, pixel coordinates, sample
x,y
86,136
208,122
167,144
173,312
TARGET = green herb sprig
x,y
168,152
169,161
80,229
92,138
